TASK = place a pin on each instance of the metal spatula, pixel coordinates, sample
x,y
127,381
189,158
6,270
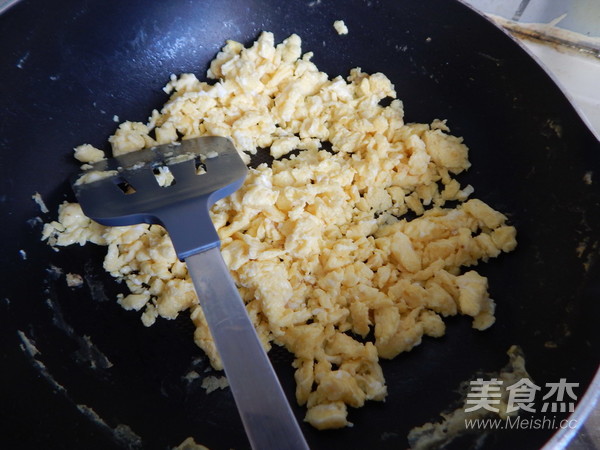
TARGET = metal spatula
x,y
196,173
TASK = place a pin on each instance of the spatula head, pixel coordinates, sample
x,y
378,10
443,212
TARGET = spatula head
x,y
172,185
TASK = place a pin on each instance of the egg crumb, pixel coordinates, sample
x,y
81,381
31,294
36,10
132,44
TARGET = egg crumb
x,y
74,280
340,27
212,383
319,243
190,444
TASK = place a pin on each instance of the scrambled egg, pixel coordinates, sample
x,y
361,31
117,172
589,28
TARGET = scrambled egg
x,y
316,242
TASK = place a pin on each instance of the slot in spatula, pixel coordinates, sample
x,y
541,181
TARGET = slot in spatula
x,y
175,185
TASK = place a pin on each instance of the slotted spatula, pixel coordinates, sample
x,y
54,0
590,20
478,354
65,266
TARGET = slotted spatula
x,y
125,190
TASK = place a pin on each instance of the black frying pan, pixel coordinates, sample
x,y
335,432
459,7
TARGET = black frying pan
x,y
69,66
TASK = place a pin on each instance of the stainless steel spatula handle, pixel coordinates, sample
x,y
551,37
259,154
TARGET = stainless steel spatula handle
x,y
261,402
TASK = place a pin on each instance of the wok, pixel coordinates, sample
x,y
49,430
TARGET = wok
x,y
99,379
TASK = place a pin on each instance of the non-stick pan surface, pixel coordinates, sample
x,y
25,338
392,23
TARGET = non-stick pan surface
x,y
98,379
